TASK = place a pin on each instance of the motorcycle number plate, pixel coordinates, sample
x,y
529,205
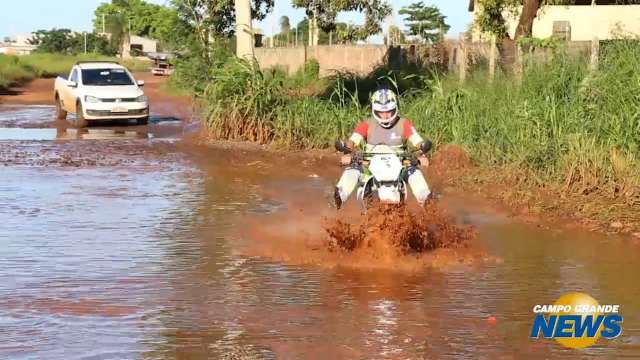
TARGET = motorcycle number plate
x,y
385,167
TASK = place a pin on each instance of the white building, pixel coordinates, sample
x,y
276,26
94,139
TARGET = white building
x,y
588,19
20,46
140,45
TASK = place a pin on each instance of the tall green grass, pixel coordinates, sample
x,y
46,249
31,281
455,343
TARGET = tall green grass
x,y
13,71
245,103
560,123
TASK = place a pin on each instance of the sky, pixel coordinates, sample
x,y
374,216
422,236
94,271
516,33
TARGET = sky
x,y
25,16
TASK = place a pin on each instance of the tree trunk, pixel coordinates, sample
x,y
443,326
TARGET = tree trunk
x,y
525,24
125,47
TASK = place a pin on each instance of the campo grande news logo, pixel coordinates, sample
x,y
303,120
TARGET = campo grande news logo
x,y
576,320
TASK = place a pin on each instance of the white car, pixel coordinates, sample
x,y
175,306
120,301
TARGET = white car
x,y
100,90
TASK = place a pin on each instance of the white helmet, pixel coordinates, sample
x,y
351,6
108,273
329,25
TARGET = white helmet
x,y
384,100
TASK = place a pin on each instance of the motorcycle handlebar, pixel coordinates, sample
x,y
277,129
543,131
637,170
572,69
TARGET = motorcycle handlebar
x,y
425,147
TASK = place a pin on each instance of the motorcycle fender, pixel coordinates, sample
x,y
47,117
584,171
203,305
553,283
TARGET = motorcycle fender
x,y
363,187
389,194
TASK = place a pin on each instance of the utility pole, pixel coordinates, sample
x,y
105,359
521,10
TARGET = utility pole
x,y
103,27
244,31
85,42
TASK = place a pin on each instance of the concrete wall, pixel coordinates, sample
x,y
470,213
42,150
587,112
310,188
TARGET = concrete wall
x,y
290,59
360,59
601,21
345,58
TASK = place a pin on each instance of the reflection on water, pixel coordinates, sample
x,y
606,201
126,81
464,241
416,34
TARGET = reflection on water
x,y
20,134
99,134
141,261
38,123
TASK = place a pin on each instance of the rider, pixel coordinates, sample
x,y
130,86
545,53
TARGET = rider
x,y
386,127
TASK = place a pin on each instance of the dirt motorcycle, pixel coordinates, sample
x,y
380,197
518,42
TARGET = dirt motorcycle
x,y
384,172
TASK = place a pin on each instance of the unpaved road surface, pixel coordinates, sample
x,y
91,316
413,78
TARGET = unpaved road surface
x,y
124,242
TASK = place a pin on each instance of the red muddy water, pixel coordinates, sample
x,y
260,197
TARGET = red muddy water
x,y
126,242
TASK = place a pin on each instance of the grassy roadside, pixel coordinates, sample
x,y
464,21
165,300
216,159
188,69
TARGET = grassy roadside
x,y
19,69
562,128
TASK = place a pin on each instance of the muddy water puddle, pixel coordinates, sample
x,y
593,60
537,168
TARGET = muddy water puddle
x,y
133,248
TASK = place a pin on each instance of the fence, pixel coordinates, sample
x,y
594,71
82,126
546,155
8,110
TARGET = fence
x,y
454,56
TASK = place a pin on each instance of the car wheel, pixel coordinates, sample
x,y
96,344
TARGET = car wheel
x,y
80,122
143,121
60,113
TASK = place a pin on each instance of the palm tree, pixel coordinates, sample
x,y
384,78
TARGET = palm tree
x,y
425,22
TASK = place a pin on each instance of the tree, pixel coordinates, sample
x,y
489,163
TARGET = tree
x,y
343,33
285,25
285,29
135,17
52,41
217,15
425,22
64,41
394,36
324,12
490,18
204,20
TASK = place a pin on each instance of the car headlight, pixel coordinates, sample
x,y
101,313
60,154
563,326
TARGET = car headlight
x,y
91,99
141,98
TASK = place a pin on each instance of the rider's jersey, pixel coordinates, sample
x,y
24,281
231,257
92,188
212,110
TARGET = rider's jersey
x,y
369,132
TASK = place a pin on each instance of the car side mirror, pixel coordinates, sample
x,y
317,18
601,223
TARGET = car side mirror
x,y
340,146
426,146
140,83
72,84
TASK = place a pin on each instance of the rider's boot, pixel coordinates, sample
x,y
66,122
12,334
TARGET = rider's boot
x,y
348,182
419,186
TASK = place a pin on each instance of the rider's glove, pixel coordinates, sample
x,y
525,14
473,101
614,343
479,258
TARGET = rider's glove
x,y
424,161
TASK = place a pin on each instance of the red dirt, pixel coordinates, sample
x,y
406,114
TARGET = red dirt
x,y
450,157
392,231
36,92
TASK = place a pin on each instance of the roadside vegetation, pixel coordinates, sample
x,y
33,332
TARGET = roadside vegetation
x,y
15,70
561,123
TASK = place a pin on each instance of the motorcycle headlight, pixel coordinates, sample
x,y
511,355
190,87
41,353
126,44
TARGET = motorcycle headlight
x,y
91,99
141,98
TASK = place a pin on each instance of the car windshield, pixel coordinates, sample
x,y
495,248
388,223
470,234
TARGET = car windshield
x,y
105,77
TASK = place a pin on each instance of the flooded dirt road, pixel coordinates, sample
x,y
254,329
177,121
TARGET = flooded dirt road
x,y
122,242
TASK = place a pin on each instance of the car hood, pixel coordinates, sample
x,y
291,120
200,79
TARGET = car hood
x,y
110,92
